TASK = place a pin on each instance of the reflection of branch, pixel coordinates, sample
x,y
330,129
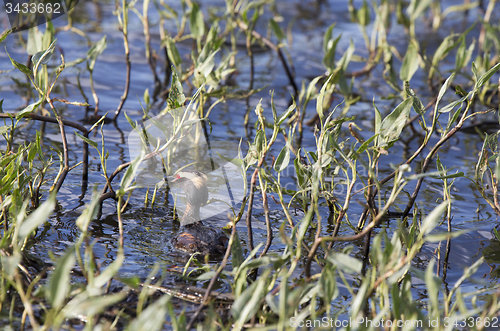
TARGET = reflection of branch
x,y
275,48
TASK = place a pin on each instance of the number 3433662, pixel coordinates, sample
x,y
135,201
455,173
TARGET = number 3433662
x,y
38,8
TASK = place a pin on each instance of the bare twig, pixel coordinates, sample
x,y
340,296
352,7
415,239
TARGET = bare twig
x,y
127,60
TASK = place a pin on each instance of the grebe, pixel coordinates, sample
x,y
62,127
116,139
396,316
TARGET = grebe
x,y
193,235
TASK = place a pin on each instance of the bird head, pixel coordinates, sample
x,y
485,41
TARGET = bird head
x,y
194,185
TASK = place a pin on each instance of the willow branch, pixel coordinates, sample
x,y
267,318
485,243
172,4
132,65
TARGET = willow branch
x,y
249,211
127,61
268,221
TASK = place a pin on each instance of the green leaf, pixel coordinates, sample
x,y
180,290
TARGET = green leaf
x,y
19,66
10,263
246,305
4,129
452,105
467,274
456,175
433,285
173,53
59,281
482,162
276,29
444,236
358,303
176,97
410,63
133,281
146,97
486,76
320,99
105,276
287,113
282,160
260,142
343,62
89,213
151,318
463,55
28,110
442,51
365,145
329,48
31,152
378,120
393,124
327,37
204,69
443,90
345,262
497,167
95,51
87,140
5,34
474,71
83,305
273,108
417,7
431,221
417,104
328,283
363,14
130,174
35,43
299,170
497,235
37,217
196,23
236,161
43,57
237,257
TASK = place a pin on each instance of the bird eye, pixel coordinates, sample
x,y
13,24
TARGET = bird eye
x,y
178,176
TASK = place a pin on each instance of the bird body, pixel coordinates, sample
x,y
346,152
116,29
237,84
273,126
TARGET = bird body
x,y
193,235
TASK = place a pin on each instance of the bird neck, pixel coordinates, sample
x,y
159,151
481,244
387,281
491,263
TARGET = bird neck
x,y
191,215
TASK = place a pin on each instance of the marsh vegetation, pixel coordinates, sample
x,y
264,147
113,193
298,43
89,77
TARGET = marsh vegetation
x,y
365,136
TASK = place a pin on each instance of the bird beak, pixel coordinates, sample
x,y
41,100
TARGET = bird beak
x,y
170,179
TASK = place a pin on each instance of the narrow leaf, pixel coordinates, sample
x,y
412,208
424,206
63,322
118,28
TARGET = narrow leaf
x,y
59,281
37,217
